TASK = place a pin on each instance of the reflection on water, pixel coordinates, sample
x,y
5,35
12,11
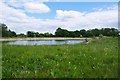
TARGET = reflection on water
x,y
42,42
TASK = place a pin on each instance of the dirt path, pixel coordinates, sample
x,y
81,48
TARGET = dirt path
x,y
57,38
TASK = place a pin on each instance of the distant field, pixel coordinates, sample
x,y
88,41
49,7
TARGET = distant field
x,y
98,58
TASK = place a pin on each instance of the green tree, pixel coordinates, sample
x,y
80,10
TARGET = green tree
x,y
83,32
61,33
4,32
30,34
77,33
21,35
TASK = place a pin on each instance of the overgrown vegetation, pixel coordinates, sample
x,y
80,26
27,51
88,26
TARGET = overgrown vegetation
x,y
98,59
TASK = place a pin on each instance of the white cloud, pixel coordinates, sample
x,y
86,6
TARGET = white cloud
x,y
68,14
35,7
19,21
29,6
107,18
106,8
15,4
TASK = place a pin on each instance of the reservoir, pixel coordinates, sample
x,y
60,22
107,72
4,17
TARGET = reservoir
x,y
42,42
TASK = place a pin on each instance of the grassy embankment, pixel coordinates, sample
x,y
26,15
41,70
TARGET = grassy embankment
x,y
96,59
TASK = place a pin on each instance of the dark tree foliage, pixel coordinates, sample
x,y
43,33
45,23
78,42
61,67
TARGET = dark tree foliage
x,y
48,34
76,34
21,35
37,34
83,32
87,33
62,33
4,32
72,34
31,34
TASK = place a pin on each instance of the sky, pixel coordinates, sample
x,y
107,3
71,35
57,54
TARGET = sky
x,y
33,15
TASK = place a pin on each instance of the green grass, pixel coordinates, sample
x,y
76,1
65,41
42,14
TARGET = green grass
x,y
98,59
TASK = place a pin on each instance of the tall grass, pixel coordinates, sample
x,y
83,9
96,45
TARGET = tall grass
x,y
97,59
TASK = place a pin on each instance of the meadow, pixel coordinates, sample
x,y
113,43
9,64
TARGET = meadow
x,y
97,59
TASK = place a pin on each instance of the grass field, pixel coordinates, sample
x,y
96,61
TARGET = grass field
x,y
95,59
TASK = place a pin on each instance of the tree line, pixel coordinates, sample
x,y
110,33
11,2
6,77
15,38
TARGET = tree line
x,y
61,33
5,32
87,33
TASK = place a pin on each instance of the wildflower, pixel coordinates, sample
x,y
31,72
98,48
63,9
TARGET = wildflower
x,y
69,62
56,55
75,67
105,53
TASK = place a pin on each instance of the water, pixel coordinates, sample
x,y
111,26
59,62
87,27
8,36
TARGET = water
x,y
42,42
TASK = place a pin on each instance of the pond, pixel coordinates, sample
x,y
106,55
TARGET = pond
x,y
42,42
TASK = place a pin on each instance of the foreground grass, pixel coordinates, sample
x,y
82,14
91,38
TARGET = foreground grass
x,y
93,60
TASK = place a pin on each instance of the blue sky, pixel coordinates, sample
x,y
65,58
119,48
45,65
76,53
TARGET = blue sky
x,y
48,16
87,0
68,0
76,6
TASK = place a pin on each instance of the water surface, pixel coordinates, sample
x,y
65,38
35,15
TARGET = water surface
x,y
42,42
